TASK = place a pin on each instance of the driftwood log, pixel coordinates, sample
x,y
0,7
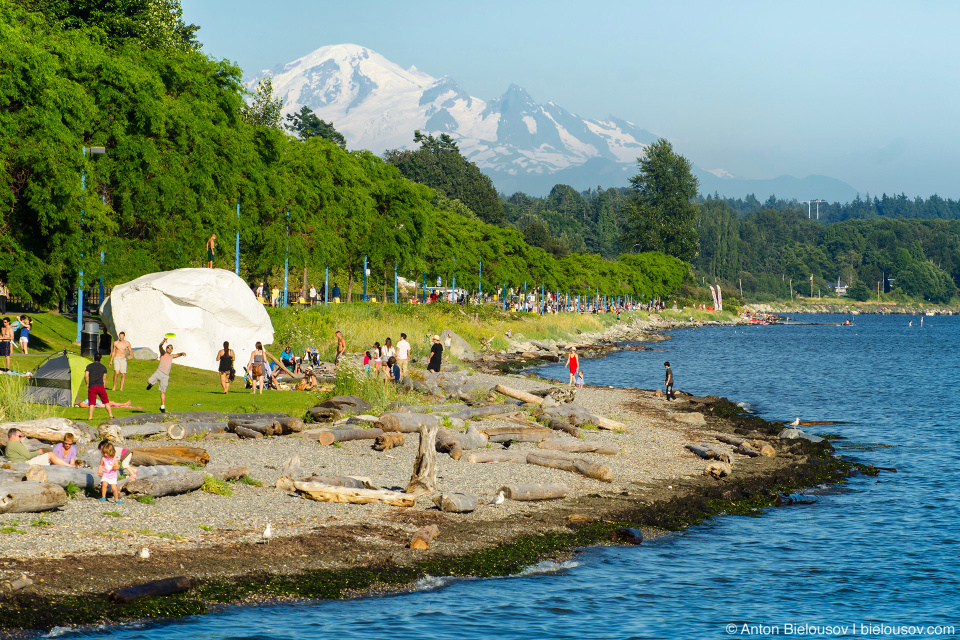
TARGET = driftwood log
x,y
154,456
422,538
517,434
12,475
386,441
243,432
424,478
400,422
578,446
456,502
227,473
455,443
46,429
709,454
36,473
718,470
519,457
527,492
346,435
433,408
609,425
165,587
267,427
490,410
518,394
729,439
746,449
185,416
180,430
158,486
31,497
560,425
328,493
557,460
118,433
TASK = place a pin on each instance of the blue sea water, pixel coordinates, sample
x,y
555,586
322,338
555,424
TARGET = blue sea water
x,y
872,558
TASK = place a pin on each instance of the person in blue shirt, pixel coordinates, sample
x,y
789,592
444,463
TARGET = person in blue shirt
x,y
394,369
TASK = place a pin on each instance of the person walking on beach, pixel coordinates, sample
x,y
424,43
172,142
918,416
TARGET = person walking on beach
x,y
211,250
573,363
341,348
225,357
436,354
668,382
257,366
403,355
95,376
118,358
162,374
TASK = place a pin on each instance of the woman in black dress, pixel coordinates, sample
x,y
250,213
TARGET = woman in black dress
x,y
436,351
225,357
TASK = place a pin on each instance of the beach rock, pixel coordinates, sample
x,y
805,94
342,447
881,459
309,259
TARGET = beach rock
x,y
456,502
346,404
204,307
145,353
459,348
549,402
627,536
324,414
395,406
793,434
694,418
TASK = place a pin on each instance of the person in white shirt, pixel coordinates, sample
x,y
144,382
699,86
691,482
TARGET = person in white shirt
x,y
313,295
403,355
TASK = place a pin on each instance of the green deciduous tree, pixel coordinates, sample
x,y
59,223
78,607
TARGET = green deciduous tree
x,y
265,110
661,216
305,124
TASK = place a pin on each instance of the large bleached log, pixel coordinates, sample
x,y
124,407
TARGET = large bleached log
x,y
518,394
709,454
159,418
388,441
572,413
119,433
455,443
31,497
166,485
527,492
500,455
46,429
243,432
289,424
560,425
12,475
405,422
434,408
424,478
180,430
346,435
456,502
582,466
578,446
729,439
227,473
164,587
350,482
608,425
517,434
154,456
327,493
490,410
422,538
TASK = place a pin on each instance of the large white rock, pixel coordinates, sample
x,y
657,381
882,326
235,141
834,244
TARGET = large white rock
x,y
203,307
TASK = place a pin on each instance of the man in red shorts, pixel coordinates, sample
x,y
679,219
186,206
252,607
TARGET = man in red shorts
x,y
95,375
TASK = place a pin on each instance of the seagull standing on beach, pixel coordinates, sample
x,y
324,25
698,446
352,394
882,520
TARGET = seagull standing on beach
x,y
795,423
499,499
144,553
268,532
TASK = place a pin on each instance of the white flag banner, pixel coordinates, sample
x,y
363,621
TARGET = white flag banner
x,y
719,299
713,294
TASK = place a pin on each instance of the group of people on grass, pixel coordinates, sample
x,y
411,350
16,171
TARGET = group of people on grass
x,y
8,338
392,362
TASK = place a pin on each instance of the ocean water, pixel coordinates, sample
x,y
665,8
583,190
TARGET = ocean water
x,y
872,558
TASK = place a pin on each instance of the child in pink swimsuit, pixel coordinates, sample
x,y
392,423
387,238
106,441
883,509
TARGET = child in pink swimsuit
x,y
108,471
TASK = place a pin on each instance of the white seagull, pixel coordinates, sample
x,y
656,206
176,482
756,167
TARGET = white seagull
x,y
795,423
499,499
268,532
144,553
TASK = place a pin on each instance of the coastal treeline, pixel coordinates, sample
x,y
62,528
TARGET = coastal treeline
x,y
121,139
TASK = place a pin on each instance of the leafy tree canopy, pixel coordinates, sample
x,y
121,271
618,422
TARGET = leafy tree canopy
x,y
265,110
305,124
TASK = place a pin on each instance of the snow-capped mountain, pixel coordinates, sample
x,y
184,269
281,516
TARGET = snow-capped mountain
x,y
377,105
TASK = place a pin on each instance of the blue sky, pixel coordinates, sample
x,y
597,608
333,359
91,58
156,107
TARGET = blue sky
x,y
866,92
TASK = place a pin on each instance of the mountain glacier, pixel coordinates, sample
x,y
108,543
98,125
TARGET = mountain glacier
x,y
521,144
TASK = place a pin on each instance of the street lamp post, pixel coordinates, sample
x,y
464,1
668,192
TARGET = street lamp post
x,y
83,187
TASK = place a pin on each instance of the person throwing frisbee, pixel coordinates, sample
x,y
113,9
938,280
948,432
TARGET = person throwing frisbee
x,y
573,362
161,376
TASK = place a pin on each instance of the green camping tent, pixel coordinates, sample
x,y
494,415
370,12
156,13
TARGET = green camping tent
x,y
57,381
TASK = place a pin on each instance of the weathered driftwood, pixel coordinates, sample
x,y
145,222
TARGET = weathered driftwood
x,y
46,429
227,473
346,435
386,441
422,538
729,439
608,425
164,587
180,430
12,475
560,425
433,408
490,410
166,485
350,482
578,446
517,434
153,456
186,416
746,449
500,455
266,427
552,460
243,432
526,492
572,413
424,478
31,497
36,473
118,433
405,422
289,424
455,443
767,451
291,467
718,470
523,396
456,502
327,493
255,416
708,454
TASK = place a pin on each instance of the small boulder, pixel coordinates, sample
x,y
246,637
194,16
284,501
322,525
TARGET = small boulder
x,y
324,414
627,535
458,347
793,434
347,404
694,418
145,353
